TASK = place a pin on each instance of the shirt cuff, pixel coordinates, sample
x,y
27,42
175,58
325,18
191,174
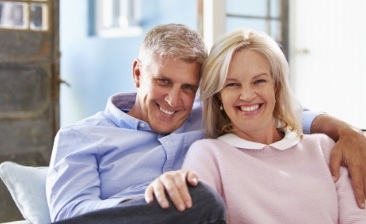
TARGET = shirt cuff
x,y
307,119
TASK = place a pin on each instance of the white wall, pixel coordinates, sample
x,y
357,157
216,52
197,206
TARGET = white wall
x,y
328,57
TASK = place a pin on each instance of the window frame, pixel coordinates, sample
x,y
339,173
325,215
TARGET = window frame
x,y
282,18
27,15
111,19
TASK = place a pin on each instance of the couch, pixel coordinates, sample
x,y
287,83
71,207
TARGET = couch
x,y
27,186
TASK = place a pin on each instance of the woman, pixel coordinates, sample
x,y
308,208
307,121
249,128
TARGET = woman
x,y
258,159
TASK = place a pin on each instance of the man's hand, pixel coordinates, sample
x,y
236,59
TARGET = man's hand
x,y
174,183
349,151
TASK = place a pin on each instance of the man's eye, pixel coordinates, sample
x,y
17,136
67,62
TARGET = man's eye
x,y
163,81
190,89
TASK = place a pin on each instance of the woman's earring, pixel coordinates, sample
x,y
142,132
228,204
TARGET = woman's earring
x,y
221,107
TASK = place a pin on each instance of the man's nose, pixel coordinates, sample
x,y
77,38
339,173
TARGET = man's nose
x,y
173,97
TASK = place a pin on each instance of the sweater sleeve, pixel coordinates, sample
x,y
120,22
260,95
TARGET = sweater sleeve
x,y
202,159
348,210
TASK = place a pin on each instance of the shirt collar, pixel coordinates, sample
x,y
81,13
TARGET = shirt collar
x,y
290,139
116,110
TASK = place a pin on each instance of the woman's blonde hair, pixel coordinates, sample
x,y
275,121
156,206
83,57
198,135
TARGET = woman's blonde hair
x,y
214,73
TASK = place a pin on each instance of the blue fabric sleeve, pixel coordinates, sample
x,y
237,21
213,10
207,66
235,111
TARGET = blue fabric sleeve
x,y
307,118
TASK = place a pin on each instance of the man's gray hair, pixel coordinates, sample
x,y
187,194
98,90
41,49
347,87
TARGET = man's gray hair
x,y
177,41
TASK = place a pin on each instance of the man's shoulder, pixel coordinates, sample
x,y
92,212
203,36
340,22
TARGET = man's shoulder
x,y
96,121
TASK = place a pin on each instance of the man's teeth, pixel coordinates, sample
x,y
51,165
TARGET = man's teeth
x,y
166,111
248,109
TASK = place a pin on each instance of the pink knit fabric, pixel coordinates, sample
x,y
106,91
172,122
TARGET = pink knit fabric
x,y
276,186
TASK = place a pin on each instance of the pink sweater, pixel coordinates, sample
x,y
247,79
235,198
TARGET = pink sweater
x,y
285,182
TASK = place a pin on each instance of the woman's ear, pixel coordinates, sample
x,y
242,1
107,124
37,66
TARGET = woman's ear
x,y
218,99
136,72
218,95
277,90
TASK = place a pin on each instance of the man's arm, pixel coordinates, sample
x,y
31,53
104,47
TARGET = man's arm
x,y
73,181
349,151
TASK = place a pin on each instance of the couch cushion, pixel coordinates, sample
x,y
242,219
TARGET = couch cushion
x,y
27,186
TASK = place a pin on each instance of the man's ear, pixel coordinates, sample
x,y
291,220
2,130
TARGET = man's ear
x,y
136,70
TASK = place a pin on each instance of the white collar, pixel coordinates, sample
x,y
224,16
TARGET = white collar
x,y
290,139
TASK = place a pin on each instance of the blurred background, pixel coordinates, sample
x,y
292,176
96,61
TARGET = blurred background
x,y
324,41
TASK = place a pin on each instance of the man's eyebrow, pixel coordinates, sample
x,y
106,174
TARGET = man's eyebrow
x,y
161,77
190,84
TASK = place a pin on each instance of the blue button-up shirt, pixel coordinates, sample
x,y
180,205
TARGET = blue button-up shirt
x,y
111,157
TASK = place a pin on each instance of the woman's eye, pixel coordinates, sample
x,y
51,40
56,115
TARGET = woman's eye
x,y
231,84
260,81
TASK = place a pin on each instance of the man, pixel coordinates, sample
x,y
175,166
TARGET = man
x,y
103,164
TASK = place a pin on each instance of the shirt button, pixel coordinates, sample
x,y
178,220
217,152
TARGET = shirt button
x,y
142,125
167,142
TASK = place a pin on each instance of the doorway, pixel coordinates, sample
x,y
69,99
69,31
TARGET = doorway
x,y
29,86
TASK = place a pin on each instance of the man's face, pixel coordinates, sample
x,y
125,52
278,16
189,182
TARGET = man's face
x,y
166,92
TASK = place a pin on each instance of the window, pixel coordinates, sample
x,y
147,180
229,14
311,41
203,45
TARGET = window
x,y
270,16
117,18
24,15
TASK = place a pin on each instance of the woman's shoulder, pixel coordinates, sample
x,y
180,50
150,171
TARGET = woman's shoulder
x,y
207,142
209,146
318,137
318,141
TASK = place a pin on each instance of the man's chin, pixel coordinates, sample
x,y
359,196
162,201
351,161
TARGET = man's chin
x,y
164,129
166,126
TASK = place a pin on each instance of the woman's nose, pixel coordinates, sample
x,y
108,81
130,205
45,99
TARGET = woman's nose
x,y
246,94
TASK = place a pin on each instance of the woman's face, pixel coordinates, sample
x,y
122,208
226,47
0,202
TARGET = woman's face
x,y
248,96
